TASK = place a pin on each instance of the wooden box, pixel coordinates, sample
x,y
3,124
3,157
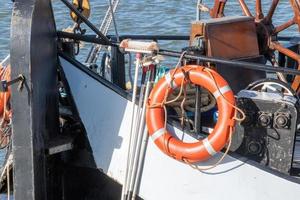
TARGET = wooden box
x,y
227,37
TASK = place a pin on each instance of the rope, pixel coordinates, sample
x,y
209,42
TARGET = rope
x,y
208,100
165,102
183,89
182,106
202,168
114,20
104,27
5,123
8,182
233,106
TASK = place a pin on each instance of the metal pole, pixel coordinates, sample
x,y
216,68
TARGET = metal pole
x,y
247,65
135,139
85,38
141,162
198,11
197,117
133,118
139,141
114,20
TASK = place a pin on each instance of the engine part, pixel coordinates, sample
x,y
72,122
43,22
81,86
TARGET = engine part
x,y
267,32
222,37
269,129
272,85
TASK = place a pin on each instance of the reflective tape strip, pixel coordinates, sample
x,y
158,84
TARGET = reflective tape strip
x,y
221,91
169,80
158,134
208,147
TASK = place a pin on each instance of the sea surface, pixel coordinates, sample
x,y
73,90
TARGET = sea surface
x,y
142,17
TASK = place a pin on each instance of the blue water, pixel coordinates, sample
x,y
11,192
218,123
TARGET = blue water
x,y
142,17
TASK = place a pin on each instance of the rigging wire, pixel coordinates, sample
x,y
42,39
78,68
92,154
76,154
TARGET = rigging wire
x,y
104,27
114,20
198,11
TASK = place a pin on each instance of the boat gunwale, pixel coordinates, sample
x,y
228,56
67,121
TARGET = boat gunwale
x,y
127,96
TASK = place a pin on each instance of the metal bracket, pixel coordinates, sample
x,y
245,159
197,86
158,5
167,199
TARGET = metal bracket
x,y
59,145
5,84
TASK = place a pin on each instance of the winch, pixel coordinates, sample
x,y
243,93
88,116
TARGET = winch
x,y
267,135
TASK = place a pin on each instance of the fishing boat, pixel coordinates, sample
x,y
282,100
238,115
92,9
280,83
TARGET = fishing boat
x,y
225,117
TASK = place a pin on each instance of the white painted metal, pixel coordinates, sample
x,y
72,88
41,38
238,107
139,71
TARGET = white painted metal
x,y
133,132
106,117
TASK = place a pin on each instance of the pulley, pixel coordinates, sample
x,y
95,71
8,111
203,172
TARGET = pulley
x,y
83,6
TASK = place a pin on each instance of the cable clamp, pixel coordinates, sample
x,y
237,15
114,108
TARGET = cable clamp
x,y
5,84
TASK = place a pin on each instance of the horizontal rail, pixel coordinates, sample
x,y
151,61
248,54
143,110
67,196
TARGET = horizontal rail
x,y
92,38
232,63
84,38
152,37
241,64
97,40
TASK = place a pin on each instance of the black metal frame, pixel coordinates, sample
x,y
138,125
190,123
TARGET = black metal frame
x,y
235,63
35,121
86,21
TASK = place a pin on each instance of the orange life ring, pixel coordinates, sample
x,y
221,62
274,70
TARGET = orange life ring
x,y
155,116
5,111
5,96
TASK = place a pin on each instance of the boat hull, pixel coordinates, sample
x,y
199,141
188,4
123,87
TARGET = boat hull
x,y
106,116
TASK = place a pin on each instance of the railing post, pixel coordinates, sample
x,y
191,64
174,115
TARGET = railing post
x,y
118,67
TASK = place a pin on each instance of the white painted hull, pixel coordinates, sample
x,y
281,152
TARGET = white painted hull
x,y
106,116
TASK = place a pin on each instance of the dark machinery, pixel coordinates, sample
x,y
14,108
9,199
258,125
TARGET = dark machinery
x,y
268,133
222,38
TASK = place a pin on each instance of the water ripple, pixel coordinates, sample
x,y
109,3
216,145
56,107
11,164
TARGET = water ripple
x,y
143,17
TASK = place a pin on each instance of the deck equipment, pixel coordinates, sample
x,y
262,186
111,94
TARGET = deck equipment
x,y
156,119
267,32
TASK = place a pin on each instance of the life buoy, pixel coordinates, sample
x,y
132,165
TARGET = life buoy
x,y
5,96
5,110
155,116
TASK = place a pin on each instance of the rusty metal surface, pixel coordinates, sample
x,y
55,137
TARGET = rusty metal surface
x,y
218,9
228,37
266,31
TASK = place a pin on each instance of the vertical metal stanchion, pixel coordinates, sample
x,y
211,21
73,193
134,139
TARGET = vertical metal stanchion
x,y
197,119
